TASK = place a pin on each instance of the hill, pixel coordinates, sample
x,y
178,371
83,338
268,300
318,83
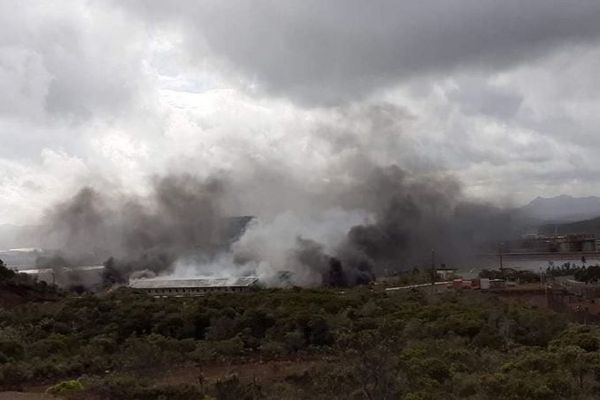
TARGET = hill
x,y
585,226
563,208
297,344
18,288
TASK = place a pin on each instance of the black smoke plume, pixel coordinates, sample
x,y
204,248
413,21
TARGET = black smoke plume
x,y
408,216
415,215
412,217
181,216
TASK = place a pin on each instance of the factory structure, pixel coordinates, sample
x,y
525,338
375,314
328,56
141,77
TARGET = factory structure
x,y
572,243
193,287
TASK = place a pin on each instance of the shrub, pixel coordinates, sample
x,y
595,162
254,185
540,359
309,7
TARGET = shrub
x,y
11,349
273,349
65,388
231,347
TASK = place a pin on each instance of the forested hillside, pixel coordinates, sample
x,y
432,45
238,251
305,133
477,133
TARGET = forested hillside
x,y
297,344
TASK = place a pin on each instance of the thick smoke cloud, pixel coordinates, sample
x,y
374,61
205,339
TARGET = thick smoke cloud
x,y
384,220
402,216
330,51
414,215
182,216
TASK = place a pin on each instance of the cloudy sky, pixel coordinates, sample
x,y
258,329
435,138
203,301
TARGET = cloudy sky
x,y
504,95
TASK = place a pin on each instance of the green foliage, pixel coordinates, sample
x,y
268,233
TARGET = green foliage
x,y
24,285
589,274
511,275
11,349
128,387
5,273
364,345
65,388
231,388
584,337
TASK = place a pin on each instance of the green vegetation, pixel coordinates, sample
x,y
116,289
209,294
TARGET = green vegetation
x,y
66,388
587,274
16,288
510,274
357,344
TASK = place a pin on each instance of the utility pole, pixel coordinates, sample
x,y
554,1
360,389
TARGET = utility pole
x,y
432,267
541,277
500,255
546,293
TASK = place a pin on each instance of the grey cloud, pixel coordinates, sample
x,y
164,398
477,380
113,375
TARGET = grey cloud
x,y
522,95
70,60
328,51
479,97
63,67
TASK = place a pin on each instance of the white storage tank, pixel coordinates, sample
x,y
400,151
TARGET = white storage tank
x,y
484,284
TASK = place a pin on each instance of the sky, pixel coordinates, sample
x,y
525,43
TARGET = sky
x,y
503,95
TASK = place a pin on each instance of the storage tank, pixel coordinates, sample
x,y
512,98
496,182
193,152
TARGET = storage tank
x,y
484,283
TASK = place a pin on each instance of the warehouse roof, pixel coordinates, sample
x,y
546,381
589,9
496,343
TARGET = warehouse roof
x,y
192,283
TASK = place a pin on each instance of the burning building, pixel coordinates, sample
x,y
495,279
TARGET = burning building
x,y
193,287
384,219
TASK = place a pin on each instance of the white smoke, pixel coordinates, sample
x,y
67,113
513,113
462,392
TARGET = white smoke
x,y
266,248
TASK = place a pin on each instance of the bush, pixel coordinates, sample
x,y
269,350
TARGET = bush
x,y
231,347
343,345
13,374
273,349
11,349
231,388
65,388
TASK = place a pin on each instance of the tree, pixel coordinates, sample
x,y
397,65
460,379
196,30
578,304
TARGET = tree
x,y
5,273
375,367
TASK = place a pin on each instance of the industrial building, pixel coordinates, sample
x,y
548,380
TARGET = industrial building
x,y
445,274
572,243
193,287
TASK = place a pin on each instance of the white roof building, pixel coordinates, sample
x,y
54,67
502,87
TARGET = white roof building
x,y
193,287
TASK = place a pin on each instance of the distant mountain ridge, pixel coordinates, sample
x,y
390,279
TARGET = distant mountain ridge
x,y
585,226
563,208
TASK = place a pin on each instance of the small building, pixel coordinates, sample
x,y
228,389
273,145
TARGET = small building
x,y
445,274
193,287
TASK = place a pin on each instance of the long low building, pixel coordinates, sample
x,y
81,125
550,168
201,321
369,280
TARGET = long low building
x,y
193,287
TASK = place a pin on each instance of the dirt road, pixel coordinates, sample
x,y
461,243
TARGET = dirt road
x,y
25,396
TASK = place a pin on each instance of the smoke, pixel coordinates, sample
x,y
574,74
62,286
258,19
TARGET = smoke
x,y
415,215
338,219
182,215
378,220
384,220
